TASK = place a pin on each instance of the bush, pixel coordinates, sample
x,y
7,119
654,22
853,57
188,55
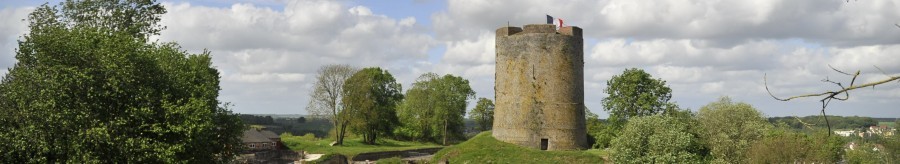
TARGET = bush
x,y
784,146
865,153
728,129
657,139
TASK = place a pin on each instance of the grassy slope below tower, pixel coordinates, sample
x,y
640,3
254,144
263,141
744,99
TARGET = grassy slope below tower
x,y
483,148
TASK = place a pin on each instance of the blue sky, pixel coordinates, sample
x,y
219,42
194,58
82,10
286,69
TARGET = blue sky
x,y
268,50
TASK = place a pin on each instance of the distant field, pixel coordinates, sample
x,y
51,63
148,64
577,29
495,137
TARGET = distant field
x,y
889,124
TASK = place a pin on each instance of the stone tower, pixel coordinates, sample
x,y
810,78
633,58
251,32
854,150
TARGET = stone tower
x,y
540,87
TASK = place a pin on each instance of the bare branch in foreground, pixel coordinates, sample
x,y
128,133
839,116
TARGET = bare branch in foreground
x,y
832,95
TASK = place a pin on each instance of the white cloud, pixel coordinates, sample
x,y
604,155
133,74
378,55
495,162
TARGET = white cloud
x,y
703,49
478,51
266,54
725,23
266,77
866,58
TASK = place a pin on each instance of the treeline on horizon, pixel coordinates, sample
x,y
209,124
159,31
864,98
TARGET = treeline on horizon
x,y
320,127
836,122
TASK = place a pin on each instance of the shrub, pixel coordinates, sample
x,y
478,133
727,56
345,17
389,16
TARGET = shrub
x,y
657,139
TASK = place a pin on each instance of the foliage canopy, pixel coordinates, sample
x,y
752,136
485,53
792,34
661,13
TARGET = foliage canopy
x,y
483,114
88,88
635,93
370,98
435,107
657,139
728,129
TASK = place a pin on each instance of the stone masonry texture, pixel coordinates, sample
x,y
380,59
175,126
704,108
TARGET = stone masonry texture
x,y
540,87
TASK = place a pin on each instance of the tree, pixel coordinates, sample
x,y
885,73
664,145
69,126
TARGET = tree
x,y
325,99
435,106
417,110
456,92
657,139
728,129
89,88
370,98
301,120
635,93
483,114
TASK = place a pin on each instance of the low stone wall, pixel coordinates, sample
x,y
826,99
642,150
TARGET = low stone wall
x,y
373,156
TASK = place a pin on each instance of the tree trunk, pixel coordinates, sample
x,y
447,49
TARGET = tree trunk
x,y
335,120
446,121
373,137
337,130
341,132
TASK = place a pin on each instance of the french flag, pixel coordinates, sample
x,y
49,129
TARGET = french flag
x,y
551,21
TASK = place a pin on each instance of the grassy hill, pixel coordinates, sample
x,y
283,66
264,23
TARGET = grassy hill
x,y
483,148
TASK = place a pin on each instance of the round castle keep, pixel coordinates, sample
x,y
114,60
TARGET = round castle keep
x,y
540,87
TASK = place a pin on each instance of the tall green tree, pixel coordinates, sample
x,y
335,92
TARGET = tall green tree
x,y
728,129
88,88
635,93
435,106
325,99
456,92
418,108
483,114
370,98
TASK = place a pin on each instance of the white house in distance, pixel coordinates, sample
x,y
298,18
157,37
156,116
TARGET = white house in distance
x,y
845,133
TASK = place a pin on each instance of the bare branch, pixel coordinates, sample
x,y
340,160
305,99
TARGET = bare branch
x,y
808,125
766,83
836,70
882,71
832,93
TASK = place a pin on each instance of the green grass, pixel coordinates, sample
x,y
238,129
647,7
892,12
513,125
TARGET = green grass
x,y
598,152
483,148
889,124
351,147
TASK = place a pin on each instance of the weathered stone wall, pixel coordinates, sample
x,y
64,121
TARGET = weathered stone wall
x,y
540,87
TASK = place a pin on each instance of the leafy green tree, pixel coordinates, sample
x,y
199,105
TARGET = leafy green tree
x,y
728,129
325,99
370,98
455,92
435,106
635,93
417,109
657,139
483,114
88,88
